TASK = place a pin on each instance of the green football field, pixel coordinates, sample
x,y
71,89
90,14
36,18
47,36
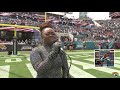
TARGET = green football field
x,y
19,66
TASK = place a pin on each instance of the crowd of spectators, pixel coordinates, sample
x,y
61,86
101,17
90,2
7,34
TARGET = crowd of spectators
x,y
22,18
84,30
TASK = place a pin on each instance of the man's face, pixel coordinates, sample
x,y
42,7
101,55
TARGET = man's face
x,y
49,35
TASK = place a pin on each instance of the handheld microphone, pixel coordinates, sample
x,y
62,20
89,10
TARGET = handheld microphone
x,y
61,49
56,43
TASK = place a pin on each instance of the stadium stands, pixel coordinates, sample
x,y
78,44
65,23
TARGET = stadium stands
x,y
84,30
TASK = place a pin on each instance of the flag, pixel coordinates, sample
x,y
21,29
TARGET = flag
x,y
115,14
6,14
17,29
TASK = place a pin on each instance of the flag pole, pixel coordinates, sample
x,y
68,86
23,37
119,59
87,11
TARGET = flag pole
x,y
15,42
15,33
45,16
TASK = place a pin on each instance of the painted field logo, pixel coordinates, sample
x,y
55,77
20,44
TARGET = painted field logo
x,y
116,74
26,48
13,60
3,47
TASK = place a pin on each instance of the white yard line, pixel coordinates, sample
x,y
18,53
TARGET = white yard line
x,y
4,71
90,59
117,58
85,52
74,56
91,66
79,73
28,58
31,69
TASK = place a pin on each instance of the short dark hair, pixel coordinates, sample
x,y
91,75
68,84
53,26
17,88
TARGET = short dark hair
x,y
45,25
